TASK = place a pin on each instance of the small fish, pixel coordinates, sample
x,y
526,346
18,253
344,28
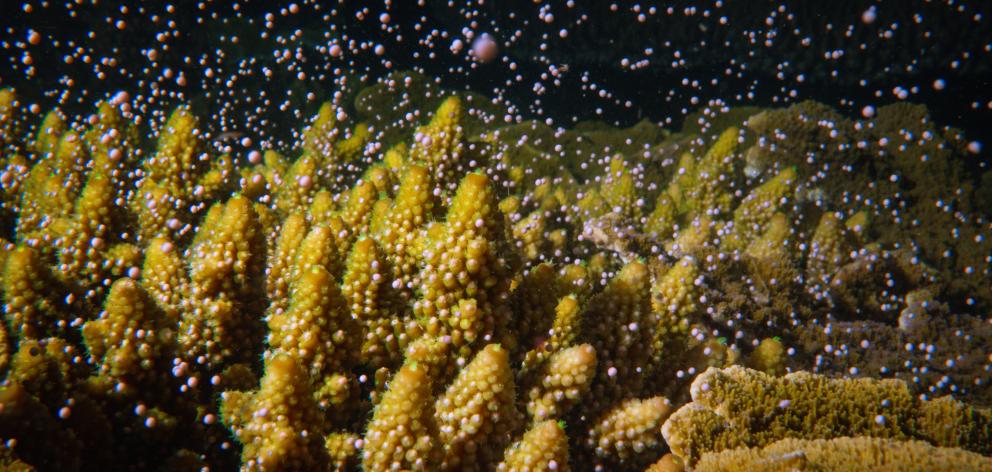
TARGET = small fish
x,y
228,135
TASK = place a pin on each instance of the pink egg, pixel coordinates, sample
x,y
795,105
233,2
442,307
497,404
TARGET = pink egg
x,y
484,48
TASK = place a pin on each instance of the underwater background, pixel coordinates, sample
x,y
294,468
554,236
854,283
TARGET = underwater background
x,y
496,235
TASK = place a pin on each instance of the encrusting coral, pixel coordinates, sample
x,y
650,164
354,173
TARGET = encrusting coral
x,y
453,294
738,407
843,454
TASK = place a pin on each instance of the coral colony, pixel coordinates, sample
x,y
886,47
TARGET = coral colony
x,y
318,243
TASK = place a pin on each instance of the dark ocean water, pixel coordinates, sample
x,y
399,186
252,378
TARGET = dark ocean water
x,y
679,55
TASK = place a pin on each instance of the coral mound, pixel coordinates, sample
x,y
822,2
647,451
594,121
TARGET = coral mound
x,y
453,294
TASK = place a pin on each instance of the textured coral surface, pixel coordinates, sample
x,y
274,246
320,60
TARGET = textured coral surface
x,y
481,295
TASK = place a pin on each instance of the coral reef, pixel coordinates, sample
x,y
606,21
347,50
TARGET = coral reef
x,y
422,288
279,424
543,448
861,453
737,407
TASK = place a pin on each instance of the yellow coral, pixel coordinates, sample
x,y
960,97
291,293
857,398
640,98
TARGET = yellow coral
x,y
89,234
562,382
343,449
667,463
769,257
44,368
631,429
395,157
358,207
156,209
674,298
619,190
533,302
737,407
618,321
164,276
278,277
532,233
319,137
401,433
404,308
464,283
768,357
179,161
324,246
229,258
543,448
438,145
317,329
843,454
752,216
49,133
322,208
226,283
9,123
827,248
858,224
279,424
33,306
410,212
477,413
299,184
133,336
351,148
709,192
661,221
376,303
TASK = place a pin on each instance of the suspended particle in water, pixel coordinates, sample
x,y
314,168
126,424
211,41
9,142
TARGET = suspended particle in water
x,y
484,48
869,16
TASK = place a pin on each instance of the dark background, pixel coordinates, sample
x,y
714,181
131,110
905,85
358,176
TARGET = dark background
x,y
924,39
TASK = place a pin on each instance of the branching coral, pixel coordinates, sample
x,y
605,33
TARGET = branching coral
x,y
133,340
617,322
543,448
33,308
561,383
464,282
279,424
439,144
477,297
227,258
402,433
379,306
477,413
317,328
630,430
